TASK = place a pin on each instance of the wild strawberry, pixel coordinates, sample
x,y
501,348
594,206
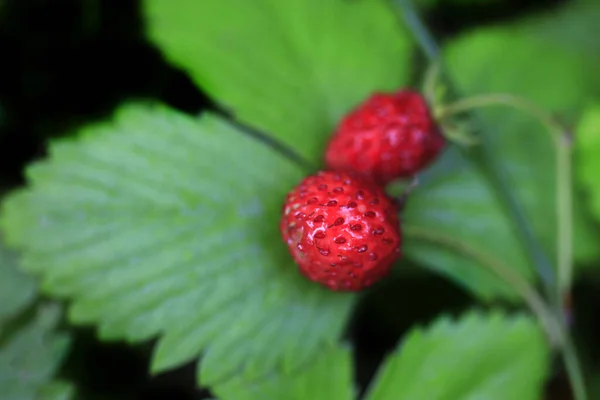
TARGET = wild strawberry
x,y
342,230
389,136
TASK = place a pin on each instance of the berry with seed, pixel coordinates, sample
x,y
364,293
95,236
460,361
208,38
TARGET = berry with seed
x,y
341,229
389,136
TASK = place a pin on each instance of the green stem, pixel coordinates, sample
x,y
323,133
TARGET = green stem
x,y
487,161
419,30
526,291
564,202
553,326
573,368
495,99
536,253
565,217
430,82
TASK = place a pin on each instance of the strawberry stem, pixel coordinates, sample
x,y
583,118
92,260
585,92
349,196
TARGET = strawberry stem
x,y
431,85
562,141
498,178
497,267
554,327
418,29
487,161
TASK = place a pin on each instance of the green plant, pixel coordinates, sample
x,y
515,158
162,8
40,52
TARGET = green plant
x,y
157,224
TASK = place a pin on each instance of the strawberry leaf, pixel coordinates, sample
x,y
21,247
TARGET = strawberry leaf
x,y
157,224
329,377
588,147
18,289
30,356
454,204
31,349
574,26
480,356
532,65
290,68
456,199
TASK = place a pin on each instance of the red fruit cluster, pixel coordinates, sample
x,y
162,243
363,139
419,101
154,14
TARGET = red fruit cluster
x,y
340,226
343,231
387,137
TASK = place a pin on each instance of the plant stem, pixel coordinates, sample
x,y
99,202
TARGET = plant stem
x,y
526,291
486,159
564,202
430,82
565,216
553,326
495,99
277,145
573,368
418,29
554,323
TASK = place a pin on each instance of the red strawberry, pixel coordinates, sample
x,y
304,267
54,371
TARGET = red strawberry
x,y
342,230
388,136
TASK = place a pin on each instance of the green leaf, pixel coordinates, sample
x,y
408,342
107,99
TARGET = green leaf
x,y
329,377
588,147
575,25
31,350
18,289
480,356
456,200
157,224
552,76
30,356
290,68
454,204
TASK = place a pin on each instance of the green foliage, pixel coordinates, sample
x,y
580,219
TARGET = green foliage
x,y
575,26
290,68
588,164
453,194
31,350
552,76
492,357
455,202
456,199
156,223
161,225
479,356
329,377
18,289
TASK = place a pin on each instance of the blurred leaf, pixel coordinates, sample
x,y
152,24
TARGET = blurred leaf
x,y
454,202
480,356
18,289
329,377
290,68
455,198
30,357
575,25
588,149
552,76
432,3
157,224
31,350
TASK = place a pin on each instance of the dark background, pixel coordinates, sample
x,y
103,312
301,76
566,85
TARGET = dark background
x,y
67,62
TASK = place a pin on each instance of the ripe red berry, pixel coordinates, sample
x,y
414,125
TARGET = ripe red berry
x,y
389,136
342,230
